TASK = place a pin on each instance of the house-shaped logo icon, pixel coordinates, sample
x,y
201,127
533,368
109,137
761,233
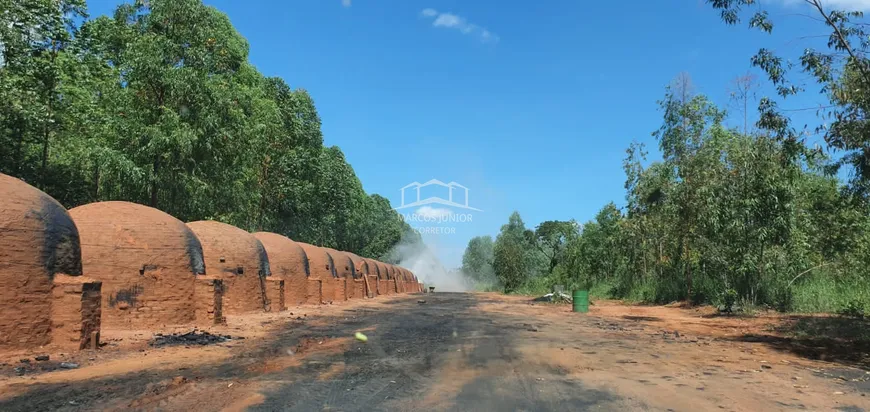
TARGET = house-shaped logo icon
x,y
417,201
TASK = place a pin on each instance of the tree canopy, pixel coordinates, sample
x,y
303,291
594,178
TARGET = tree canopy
x,y
723,213
158,104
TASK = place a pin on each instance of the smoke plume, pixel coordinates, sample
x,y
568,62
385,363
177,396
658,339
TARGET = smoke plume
x,y
423,261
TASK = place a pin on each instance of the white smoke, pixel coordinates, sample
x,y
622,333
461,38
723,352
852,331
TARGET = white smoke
x,y
423,261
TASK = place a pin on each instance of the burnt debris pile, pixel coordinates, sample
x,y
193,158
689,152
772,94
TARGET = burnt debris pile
x,y
194,337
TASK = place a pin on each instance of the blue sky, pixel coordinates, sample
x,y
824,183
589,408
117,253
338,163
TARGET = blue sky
x,y
530,105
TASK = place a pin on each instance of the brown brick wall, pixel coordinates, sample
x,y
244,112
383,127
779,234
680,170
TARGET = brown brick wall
x,y
321,267
287,261
208,299
275,294
372,285
359,289
75,312
146,259
386,288
313,292
38,239
26,309
327,290
239,260
340,290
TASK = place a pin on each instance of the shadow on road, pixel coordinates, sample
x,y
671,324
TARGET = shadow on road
x,y
405,355
830,338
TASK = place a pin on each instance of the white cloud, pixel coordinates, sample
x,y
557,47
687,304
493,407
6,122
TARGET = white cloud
x,y
455,22
449,20
346,3
848,5
429,212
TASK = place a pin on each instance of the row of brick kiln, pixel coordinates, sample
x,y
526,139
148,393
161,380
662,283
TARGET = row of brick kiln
x,y
64,274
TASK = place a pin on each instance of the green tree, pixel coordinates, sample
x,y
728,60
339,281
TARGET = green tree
x,y
687,123
158,104
478,259
550,238
511,259
34,38
841,69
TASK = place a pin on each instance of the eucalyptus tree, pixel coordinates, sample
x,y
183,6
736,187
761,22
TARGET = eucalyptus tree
x,y
478,259
840,67
512,261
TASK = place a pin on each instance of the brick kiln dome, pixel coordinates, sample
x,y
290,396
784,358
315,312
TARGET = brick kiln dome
x,y
374,269
239,259
320,262
146,259
38,240
361,266
321,267
288,261
344,266
392,273
383,271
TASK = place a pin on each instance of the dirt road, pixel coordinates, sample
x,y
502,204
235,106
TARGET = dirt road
x,y
463,352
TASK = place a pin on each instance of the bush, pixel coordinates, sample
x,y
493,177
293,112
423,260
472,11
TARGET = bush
x,y
831,294
602,290
538,285
853,309
729,299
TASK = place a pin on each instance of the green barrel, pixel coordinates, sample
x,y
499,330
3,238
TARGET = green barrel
x,y
581,301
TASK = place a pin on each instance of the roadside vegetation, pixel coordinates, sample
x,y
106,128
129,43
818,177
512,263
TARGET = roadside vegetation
x,y
159,105
749,215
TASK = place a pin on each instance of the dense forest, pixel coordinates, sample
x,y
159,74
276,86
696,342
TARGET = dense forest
x,y
159,105
753,214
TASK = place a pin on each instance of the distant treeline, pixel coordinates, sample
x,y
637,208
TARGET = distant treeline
x,y
159,105
749,213
723,213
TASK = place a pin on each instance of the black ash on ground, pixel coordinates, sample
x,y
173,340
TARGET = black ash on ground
x,y
194,337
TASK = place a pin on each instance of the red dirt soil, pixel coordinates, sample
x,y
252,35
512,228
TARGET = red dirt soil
x,y
463,351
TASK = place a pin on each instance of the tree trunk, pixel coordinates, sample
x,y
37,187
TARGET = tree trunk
x,y
661,258
96,194
19,151
264,178
46,132
43,173
688,269
760,271
154,182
